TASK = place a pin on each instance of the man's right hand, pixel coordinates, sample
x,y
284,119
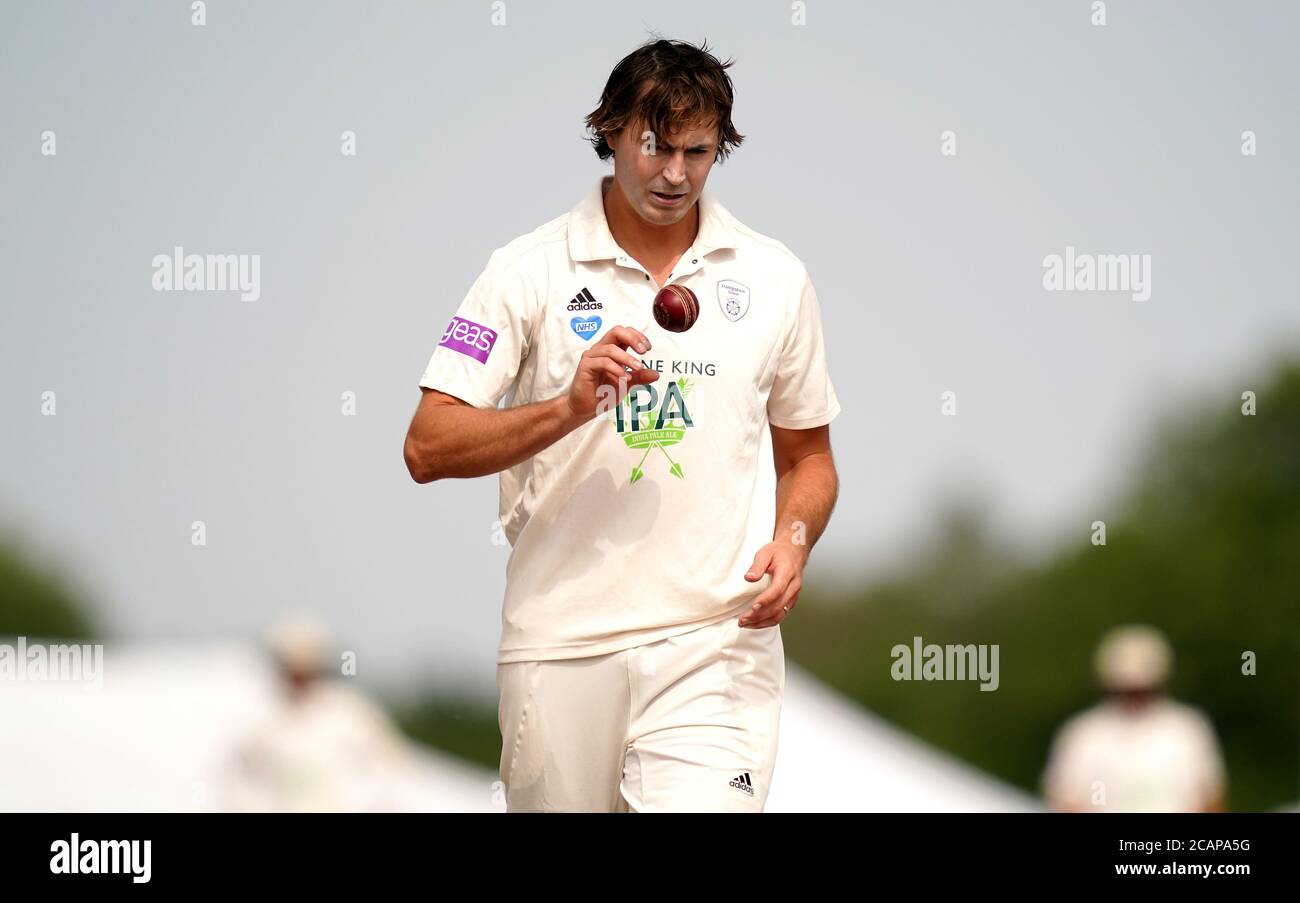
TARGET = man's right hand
x,y
602,380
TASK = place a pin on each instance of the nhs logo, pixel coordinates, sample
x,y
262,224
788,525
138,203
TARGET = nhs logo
x,y
585,327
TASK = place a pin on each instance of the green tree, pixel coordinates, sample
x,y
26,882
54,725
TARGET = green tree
x,y
37,603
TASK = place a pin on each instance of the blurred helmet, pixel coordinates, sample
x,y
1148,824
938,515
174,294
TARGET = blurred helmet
x,y
1133,657
300,643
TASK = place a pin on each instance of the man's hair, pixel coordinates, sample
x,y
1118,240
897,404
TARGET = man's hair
x,y
671,86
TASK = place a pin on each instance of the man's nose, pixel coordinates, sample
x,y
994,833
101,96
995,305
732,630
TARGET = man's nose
x,y
675,170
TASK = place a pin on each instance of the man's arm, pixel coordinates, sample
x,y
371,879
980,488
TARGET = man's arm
x,y
806,484
450,438
806,489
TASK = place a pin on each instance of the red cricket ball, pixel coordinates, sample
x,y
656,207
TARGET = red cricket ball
x,y
676,308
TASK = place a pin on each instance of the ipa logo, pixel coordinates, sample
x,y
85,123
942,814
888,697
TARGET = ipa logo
x,y
648,425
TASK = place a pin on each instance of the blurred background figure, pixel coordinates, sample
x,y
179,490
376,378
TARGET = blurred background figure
x,y
1136,750
327,748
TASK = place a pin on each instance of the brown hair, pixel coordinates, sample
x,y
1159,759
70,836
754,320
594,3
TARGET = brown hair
x,y
671,85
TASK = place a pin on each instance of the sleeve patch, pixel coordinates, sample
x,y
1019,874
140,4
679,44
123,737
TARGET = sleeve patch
x,y
469,338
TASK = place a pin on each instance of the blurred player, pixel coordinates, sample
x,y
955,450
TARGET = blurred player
x,y
327,748
1137,750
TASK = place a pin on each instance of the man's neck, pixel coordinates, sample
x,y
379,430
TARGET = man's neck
x,y
656,246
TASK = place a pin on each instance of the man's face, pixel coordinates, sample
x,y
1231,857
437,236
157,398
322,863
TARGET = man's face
x,y
679,165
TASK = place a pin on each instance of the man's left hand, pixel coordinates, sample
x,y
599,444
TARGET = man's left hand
x,y
785,562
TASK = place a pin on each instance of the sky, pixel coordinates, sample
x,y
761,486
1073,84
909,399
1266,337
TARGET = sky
x,y
172,407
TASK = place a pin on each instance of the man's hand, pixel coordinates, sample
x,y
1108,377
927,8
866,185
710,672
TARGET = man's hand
x,y
785,562
603,365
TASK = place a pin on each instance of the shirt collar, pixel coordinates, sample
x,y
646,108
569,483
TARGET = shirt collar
x,y
590,238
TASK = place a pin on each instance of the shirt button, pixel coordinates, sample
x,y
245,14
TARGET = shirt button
x,y
695,261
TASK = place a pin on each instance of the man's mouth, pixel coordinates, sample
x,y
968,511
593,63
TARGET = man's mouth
x,y
668,198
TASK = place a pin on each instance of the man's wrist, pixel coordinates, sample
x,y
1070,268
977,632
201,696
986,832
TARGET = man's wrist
x,y
802,548
563,416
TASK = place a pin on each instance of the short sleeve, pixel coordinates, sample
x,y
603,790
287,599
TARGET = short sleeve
x,y
802,395
485,342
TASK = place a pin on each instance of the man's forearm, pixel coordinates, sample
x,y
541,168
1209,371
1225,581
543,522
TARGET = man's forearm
x,y
805,497
464,441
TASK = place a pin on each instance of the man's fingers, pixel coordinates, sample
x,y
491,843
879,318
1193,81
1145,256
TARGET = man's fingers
x,y
612,375
762,561
774,613
771,595
613,352
626,337
609,373
783,592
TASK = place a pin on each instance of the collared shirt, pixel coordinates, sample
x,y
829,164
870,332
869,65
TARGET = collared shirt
x,y
639,524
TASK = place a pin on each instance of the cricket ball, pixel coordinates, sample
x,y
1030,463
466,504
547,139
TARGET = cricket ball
x,y
676,308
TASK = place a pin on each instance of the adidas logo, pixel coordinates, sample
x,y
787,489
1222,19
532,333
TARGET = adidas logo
x,y
585,300
742,782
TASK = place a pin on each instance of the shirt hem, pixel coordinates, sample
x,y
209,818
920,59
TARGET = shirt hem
x,y
605,647
805,423
446,388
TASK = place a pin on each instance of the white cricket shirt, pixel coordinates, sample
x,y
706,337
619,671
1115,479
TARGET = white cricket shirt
x,y
1164,758
640,524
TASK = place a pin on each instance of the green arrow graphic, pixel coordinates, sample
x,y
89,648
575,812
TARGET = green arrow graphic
x,y
676,469
637,472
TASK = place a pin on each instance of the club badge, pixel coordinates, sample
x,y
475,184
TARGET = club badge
x,y
733,298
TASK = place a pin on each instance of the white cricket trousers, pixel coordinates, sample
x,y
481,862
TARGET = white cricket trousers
x,y
685,724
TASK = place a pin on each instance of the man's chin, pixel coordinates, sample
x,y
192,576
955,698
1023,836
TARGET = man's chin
x,y
664,216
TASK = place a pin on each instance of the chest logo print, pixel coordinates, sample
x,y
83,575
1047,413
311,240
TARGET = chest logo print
x,y
584,300
585,327
733,298
646,425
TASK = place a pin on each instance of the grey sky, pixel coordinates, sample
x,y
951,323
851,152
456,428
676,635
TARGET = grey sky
x,y
183,406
